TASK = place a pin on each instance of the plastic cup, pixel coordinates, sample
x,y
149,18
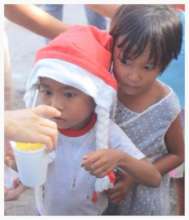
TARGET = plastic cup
x,y
32,165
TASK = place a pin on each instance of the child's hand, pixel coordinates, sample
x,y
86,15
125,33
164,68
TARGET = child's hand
x,y
14,193
123,185
102,161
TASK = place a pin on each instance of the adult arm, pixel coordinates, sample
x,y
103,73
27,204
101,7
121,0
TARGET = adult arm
x,y
34,19
107,10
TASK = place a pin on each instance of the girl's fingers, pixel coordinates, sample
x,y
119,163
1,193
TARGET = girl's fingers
x,y
117,200
115,195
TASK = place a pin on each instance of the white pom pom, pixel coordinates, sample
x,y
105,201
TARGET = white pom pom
x,y
103,184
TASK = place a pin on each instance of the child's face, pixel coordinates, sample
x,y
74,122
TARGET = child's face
x,y
75,106
134,76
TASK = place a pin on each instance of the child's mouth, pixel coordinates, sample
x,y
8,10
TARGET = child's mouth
x,y
58,119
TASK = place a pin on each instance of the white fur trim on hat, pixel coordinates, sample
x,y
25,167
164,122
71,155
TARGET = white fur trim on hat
x,y
70,74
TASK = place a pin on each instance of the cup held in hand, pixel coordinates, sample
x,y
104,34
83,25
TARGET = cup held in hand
x,y
32,163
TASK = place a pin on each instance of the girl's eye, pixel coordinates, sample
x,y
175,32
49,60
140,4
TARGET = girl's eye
x,y
149,66
126,62
69,94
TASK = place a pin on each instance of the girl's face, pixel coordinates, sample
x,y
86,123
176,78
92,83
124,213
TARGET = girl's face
x,y
75,106
134,76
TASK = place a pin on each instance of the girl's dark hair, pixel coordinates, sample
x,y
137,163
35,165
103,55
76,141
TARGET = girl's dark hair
x,y
156,27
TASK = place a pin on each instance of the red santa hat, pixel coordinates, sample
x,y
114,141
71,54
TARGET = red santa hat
x,y
80,58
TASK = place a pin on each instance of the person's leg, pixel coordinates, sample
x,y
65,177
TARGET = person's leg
x,y
95,19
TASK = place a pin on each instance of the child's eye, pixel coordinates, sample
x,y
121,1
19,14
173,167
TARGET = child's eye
x,y
69,94
126,61
45,91
149,66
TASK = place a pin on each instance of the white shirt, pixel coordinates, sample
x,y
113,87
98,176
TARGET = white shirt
x,y
69,187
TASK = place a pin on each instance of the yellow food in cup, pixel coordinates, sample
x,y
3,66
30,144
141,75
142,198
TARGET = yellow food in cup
x,y
28,146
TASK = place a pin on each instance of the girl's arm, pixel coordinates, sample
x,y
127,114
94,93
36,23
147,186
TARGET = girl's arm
x,y
175,145
35,19
174,140
141,171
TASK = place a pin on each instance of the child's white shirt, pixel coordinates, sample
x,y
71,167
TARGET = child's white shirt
x,y
69,187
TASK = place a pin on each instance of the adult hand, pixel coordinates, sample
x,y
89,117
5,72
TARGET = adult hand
x,y
32,125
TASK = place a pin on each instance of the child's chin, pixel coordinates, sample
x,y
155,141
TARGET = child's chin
x,y
63,127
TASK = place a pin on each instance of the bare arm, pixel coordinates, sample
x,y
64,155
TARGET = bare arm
x,y
174,140
35,19
107,10
142,171
175,145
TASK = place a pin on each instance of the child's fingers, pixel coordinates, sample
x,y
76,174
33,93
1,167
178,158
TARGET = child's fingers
x,y
92,156
116,196
98,173
89,159
101,171
97,168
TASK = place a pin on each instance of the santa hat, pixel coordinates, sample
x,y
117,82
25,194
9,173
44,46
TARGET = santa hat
x,y
80,58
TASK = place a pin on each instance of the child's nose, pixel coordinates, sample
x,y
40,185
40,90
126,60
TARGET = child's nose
x,y
57,103
133,75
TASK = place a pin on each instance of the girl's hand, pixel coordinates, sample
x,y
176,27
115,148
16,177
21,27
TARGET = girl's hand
x,y
120,190
102,161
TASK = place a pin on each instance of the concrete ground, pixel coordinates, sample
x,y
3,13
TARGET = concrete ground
x,y
23,45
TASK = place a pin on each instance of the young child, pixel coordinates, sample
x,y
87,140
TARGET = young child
x,y
146,39
71,73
